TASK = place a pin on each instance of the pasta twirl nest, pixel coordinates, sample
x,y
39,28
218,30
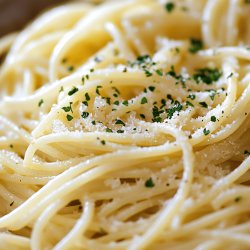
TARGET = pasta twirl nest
x,y
125,125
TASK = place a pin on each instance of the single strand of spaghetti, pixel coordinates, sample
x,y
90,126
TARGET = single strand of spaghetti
x,y
16,240
79,228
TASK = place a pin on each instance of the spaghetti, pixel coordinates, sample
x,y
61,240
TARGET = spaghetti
x,y
126,125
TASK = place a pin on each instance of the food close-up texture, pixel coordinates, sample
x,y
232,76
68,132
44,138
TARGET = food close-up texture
x,y
126,125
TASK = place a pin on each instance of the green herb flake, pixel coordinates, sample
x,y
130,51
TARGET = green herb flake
x,y
159,72
196,45
191,96
85,114
213,118
108,130
246,152
151,88
40,103
73,91
142,116
69,117
11,204
97,89
169,7
148,73
116,103
68,108
144,100
103,142
119,122
207,75
188,103
125,103
87,97
176,108
120,131
203,104
206,131
149,183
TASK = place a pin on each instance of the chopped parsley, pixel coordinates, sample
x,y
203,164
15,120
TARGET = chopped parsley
x,y
191,96
119,122
97,89
69,117
149,183
144,100
151,88
206,131
246,152
159,72
68,108
125,103
170,98
108,130
176,108
143,59
87,96
213,118
11,204
188,103
142,116
156,114
103,142
147,73
85,114
196,45
230,75
120,131
40,103
73,91
203,104
169,7
207,75
116,103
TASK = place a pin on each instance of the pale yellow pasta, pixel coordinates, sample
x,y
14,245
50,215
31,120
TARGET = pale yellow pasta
x,y
125,125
